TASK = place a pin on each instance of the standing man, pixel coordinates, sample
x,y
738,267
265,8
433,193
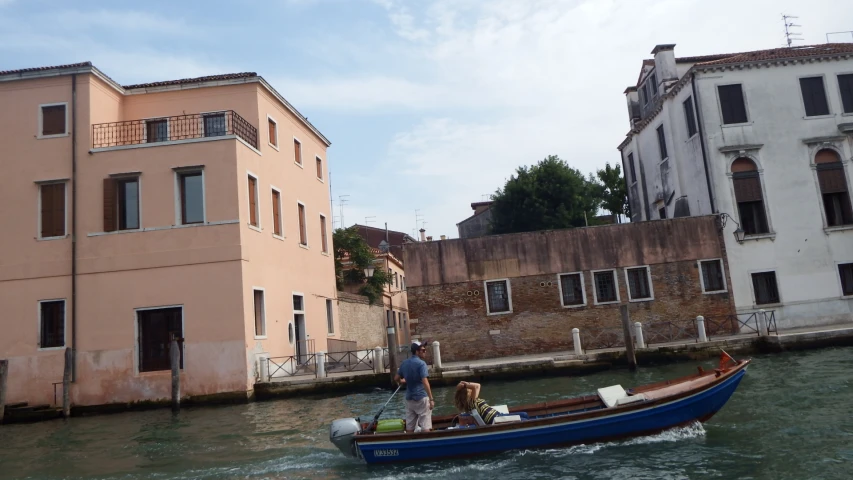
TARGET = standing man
x,y
419,402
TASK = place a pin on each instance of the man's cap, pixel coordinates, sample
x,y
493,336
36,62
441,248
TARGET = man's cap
x,y
416,345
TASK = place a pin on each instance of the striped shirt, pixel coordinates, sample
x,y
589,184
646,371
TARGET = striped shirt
x,y
487,413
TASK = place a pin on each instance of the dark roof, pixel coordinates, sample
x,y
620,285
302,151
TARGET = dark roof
x,y
209,78
42,69
374,236
482,204
702,58
805,51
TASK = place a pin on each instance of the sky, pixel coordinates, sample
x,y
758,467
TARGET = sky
x,y
429,105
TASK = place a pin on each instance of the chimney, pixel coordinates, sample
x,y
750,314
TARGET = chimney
x,y
444,237
429,239
665,65
633,99
423,239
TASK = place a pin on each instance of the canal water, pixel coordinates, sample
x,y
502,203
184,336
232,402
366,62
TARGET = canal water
x,y
791,418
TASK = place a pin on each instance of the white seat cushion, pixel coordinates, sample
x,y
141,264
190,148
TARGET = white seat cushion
x,y
610,395
501,408
507,419
631,399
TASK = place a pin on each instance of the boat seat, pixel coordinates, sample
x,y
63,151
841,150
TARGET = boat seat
x,y
615,395
501,409
507,419
478,418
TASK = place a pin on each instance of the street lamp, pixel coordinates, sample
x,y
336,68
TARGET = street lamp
x,y
368,271
738,233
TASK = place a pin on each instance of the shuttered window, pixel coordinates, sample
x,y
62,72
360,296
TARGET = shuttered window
x,y
638,283
765,288
273,132
732,104
297,151
845,270
814,96
52,210
260,319
662,143
330,318
121,204
319,168
156,329
845,84
276,212
632,168
833,189
690,117
253,201
303,234
712,276
323,240
571,289
52,324
749,198
53,120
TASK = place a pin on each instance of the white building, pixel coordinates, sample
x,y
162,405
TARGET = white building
x,y
765,140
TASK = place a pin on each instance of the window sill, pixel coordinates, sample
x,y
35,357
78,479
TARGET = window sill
x,y
735,125
325,254
330,335
321,180
847,114
47,239
274,146
298,164
51,349
640,300
614,302
156,373
760,236
574,306
715,292
839,228
58,135
765,306
499,313
278,237
260,337
819,117
252,227
691,137
304,246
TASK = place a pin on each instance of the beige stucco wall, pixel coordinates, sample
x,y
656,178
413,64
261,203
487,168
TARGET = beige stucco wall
x,y
209,270
361,322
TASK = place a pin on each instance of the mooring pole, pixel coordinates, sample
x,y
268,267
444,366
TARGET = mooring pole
x,y
175,360
392,352
4,372
629,344
66,383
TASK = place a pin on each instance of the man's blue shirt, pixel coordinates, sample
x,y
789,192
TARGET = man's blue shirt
x,y
414,370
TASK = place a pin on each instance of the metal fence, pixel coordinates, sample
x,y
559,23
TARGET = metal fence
x,y
292,366
351,361
606,337
179,127
667,331
743,323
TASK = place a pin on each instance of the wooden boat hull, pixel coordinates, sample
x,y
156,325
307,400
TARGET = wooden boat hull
x,y
696,403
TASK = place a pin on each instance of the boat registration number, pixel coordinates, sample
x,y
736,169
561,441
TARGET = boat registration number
x,y
386,453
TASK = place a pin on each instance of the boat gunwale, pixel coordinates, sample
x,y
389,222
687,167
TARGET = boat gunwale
x,y
566,418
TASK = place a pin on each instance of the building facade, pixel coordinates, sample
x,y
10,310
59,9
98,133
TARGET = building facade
x,y
517,294
193,209
479,224
763,139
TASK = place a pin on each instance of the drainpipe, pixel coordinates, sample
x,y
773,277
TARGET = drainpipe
x,y
696,104
73,227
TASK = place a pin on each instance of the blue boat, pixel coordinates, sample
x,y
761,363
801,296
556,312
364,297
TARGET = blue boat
x,y
612,414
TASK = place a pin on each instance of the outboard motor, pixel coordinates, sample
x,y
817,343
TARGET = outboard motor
x,y
342,433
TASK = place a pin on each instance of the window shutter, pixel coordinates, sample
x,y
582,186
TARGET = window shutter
x,y
747,188
46,211
831,178
302,232
110,197
273,139
845,83
276,212
297,152
58,210
53,120
253,204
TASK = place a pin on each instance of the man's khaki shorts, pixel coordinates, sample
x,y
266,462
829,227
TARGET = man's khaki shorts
x,y
418,413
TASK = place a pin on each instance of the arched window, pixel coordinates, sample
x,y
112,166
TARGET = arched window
x,y
833,188
750,202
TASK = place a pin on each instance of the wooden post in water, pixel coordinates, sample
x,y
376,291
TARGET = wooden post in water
x,y
629,344
66,383
175,360
392,352
4,372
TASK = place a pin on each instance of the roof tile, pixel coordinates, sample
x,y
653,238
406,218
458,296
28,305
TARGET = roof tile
x,y
42,69
804,51
209,78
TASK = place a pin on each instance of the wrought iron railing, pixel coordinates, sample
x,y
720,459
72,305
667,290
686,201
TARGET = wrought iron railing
x,y
167,129
667,331
291,366
349,361
598,338
743,323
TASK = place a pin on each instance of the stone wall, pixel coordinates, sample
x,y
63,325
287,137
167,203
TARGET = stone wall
x,y
454,313
360,321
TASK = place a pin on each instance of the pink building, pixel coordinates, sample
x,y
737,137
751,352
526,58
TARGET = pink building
x,y
194,208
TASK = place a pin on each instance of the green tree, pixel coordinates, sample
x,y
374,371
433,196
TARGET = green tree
x,y
548,195
614,197
352,256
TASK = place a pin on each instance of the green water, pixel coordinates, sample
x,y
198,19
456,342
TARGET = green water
x,y
791,418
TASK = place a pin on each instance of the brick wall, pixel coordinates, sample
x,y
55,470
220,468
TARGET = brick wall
x,y
360,321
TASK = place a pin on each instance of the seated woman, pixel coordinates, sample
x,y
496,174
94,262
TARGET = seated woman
x,y
467,398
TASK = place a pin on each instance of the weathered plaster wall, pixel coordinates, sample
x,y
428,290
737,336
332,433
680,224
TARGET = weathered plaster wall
x,y
361,322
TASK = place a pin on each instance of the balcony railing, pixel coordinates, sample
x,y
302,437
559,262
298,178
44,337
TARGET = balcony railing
x,y
170,129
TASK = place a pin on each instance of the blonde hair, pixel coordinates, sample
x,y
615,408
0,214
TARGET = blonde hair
x,y
462,400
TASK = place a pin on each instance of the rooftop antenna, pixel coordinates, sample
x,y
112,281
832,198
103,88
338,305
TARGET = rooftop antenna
x,y
789,35
342,200
418,218
366,219
485,197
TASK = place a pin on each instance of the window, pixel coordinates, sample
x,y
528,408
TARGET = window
x,y
639,284
323,234
52,324
121,203
498,297
191,187
53,120
732,104
388,318
845,84
276,212
214,124
690,117
833,188
571,289
253,202
846,272
605,286
646,93
711,276
156,329
653,85
319,168
403,282
814,96
750,202
662,143
303,234
297,151
330,319
662,213
632,168
156,130
273,132
764,286
260,314
52,210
